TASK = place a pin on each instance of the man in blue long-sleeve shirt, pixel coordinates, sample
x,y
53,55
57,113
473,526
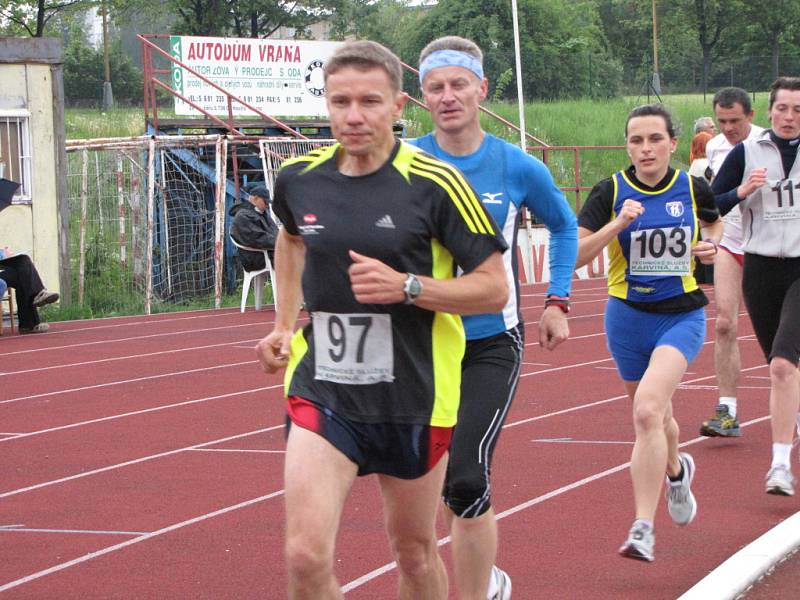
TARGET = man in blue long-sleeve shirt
x,y
506,179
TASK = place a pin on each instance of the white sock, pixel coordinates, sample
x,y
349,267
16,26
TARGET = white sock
x,y
493,584
781,454
798,425
644,522
730,402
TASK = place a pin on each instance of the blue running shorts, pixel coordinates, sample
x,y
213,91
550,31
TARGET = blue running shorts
x,y
632,335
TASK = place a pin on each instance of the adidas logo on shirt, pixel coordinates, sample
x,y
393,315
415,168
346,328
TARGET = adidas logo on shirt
x,y
385,221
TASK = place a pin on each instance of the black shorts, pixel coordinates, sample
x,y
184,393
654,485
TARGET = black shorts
x,y
489,376
771,290
396,449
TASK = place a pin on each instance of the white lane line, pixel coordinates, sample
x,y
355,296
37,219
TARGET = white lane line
x,y
132,357
714,387
143,411
23,529
124,381
528,504
135,461
565,367
135,338
210,314
237,450
571,441
136,540
130,339
606,401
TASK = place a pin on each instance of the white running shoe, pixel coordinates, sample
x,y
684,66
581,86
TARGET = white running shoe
x,y
680,500
640,543
780,481
503,584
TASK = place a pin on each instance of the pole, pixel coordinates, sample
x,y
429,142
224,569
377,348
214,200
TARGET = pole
x,y
521,104
656,76
518,67
108,96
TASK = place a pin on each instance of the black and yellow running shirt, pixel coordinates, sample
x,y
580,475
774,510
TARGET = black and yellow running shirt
x,y
375,363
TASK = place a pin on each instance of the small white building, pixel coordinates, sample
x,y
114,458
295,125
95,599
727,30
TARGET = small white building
x,y
32,154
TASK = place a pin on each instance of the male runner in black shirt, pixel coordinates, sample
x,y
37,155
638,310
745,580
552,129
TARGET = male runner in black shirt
x,y
375,229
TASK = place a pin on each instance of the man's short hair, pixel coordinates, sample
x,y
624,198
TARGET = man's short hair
x,y
727,97
703,123
452,42
782,83
364,55
258,189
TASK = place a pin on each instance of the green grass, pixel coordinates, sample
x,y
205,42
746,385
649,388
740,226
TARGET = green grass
x,y
73,312
563,123
91,123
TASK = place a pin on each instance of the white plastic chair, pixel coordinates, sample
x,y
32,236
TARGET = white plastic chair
x,y
260,278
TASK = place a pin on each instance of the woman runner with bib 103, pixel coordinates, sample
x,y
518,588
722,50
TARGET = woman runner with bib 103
x,y
651,216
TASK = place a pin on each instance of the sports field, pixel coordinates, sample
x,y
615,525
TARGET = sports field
x,y
142,458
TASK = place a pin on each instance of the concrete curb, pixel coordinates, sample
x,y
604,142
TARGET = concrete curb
x,y
744,568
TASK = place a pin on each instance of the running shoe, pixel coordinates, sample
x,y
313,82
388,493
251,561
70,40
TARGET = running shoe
x,y
39,328
639,544
680,500
503,584
44,297
722,425
780,481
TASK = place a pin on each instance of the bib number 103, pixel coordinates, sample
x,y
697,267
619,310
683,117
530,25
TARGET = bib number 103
x,y
353,348
661,251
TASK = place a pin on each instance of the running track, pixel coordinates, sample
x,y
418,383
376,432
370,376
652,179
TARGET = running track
x,y
141,457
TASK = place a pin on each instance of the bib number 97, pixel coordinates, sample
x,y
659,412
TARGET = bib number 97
x,y
354,348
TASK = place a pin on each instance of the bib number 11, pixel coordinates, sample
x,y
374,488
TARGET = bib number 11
x,y
781,200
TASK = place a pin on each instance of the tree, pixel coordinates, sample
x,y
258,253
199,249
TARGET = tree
x,y
773,25
240,18
711,17
31,17
261,18
564,51
83,74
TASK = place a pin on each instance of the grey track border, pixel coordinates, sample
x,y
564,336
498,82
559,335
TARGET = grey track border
x,y
738,573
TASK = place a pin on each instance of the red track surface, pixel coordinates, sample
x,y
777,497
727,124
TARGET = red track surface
x,y
142,458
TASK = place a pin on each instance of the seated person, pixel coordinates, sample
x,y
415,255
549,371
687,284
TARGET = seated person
x,y
252,226
18,272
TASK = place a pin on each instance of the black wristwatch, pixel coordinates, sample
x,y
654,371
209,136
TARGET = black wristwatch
x,y
559,301
412,289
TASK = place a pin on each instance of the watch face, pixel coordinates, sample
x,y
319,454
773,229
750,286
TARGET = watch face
x,y
414,288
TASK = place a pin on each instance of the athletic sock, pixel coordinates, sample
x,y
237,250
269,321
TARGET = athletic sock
x,y
781,455
643,523
730,402
493,584
679,477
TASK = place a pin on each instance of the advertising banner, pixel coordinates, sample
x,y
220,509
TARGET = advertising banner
x,y
278,77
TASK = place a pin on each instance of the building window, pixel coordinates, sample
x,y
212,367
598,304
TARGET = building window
x,y
15,151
